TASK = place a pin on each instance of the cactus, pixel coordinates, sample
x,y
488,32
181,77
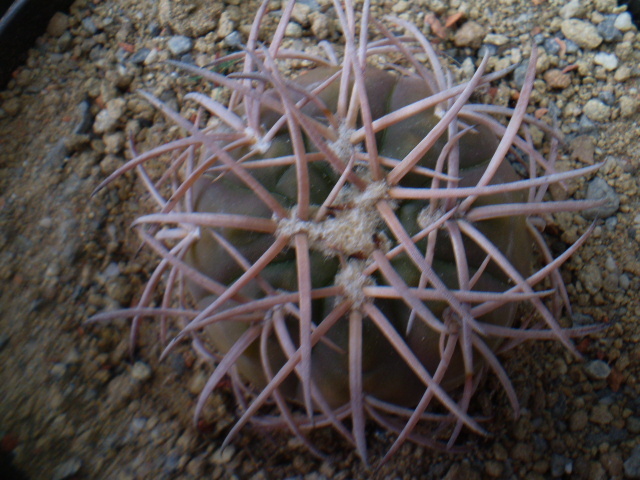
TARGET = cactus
x,y
353,244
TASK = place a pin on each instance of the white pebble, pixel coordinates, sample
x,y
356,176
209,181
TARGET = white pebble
x,y
495,39
141,371
223,455
623,22
608,60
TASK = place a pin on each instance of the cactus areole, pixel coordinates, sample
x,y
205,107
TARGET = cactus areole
x,y
352,243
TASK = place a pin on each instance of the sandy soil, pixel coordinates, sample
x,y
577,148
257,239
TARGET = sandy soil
x,y
73,404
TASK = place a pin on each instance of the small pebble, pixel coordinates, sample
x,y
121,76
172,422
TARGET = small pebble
x,y
600,415
578,421
583,149
624,281
560,466
608,30
610,264
223,455
598,369
12,106
107,118
591,278
400,7
471,34
152,57
607,97
140,56
599,188
300,13
179,44
234,39
586,125
495,39
633,425
58,24
624,22
583,33
628,106
611,223
66,469
518,75
632,464
574,8
293,30
556,79
141,371
597,111
320,26
551,46
608,60
89,25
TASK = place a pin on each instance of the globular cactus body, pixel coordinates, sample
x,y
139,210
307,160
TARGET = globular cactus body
x,y
355,243
385,375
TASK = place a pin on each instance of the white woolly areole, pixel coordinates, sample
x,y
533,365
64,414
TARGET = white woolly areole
x,y
342,147
427,218
353,280
352,230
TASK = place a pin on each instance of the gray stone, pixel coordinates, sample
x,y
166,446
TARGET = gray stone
x,y
89,25
179,44
624,281
66,469
572,47
632,464
608,30
560,465
586,125
608,98
598,369
551,46
234,39
140,56
599,189
518,75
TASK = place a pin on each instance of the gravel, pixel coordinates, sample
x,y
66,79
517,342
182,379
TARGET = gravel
x,y
583,33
